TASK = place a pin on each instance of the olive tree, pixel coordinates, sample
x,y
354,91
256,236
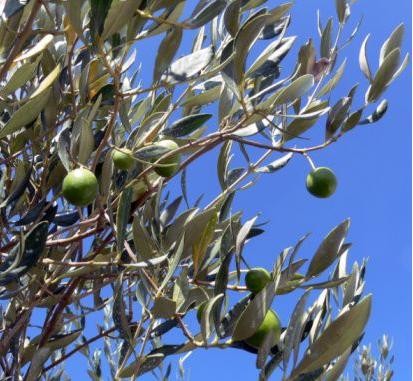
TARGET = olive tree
x,y
92,233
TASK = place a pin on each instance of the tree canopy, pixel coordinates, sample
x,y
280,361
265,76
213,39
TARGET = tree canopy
x,y
92,232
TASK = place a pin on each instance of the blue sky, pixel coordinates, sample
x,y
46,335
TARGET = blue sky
x,y
373,166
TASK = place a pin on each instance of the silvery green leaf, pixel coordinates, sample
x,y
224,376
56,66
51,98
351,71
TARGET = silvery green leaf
x,y
194,228
274,51
163,308
86,142
203,98
150,152
272,30
169,212
166,52
327,284
223,163
122,217
137,367
231,318
293,333
26,113
377,114
265,349
294,90
207,315
74,13
325,47
38,48
279,11
206,13
186,125
118,16
352,120
336,370
340,334
220,287
171,15
143,242
305,120
232,17
251,4
329,249
402,67
254,314
47,81
350,288
337,116
37,362
363,61
384,76
164,327
59,341
343,10
22,74
245,38
243,233
333,81
199,248
393,42
173,262
119,312
186,67
276,165
270,366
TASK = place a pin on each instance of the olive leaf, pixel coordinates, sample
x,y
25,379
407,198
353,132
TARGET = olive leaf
x,y
393,42
186,67
186,125
340,334
329,249
343,10
363,61
166,52
118,16
384,75
22,74
206,14
294,90
254,314
276,165
163,308
26,113
378,113
122,216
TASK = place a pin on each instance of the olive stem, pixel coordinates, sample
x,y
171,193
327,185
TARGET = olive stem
x,y
311,162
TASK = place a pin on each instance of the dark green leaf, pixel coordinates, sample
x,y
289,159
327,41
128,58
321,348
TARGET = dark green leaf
x,y
186,125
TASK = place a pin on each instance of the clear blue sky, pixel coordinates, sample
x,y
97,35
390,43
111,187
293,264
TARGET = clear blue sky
x,y
373,165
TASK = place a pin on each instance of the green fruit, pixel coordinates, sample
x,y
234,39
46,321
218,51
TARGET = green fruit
x,y
123,158
271,323
291,284
321,182
171,164
80,187
256,279
200,311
